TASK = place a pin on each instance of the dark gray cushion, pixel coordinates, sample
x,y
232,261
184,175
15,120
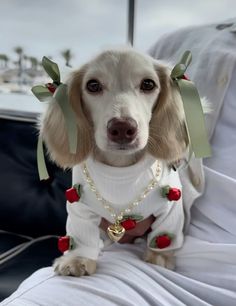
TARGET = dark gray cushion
x,y
27,206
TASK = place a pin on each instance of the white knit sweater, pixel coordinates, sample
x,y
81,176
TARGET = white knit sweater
x,y
122,186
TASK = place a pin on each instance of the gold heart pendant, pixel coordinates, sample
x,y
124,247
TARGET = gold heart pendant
x,y
115,232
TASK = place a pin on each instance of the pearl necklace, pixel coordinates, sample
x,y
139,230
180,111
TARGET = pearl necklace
x,y
116,231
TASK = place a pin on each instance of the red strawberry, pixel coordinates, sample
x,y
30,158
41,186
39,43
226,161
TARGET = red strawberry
x,y
185,77
73,194
163,241
51,87
128,224
63,243
174,194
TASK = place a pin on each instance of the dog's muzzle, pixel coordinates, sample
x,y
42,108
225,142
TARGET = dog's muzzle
x,y
122,130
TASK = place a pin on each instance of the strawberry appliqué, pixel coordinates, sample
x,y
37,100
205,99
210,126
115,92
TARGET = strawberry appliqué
x,y
161,241
129,221
171,193
185,77
128,224
65,243
51,87
73,194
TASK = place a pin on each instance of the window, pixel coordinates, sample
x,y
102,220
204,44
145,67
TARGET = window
x,y
66,31
156,17
71,32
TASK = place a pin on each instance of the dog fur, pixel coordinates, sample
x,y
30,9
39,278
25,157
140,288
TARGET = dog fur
x,y
158,113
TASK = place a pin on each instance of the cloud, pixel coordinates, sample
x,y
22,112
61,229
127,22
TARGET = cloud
x,y
154,18
46,27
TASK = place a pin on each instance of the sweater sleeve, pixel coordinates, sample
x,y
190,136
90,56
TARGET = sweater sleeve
x,y
83,226
167,230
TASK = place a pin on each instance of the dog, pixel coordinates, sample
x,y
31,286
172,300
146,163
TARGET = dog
x,y
131,127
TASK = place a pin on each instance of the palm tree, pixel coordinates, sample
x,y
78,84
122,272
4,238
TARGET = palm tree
x,y
26,60
34,62
4,59
19,52
1,60
67,56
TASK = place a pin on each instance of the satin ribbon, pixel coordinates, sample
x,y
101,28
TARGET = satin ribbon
x,y
60,96
195,122
42,169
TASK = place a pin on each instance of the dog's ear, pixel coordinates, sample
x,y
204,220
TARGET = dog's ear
x,y
54,131
167,136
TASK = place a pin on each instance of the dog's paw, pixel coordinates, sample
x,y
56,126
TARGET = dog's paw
x,y
74,266
166,260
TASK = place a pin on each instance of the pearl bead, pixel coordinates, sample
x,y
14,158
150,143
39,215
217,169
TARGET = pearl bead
x,y
108,206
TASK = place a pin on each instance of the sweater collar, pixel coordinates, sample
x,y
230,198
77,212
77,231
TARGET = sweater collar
x,y
133,171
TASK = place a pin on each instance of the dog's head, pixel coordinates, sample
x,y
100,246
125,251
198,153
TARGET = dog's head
x,y
125,103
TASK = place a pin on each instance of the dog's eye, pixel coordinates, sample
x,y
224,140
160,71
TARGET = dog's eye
x,y
147,85
94,86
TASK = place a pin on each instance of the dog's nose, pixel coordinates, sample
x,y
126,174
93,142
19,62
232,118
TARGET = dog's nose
x,y
122,130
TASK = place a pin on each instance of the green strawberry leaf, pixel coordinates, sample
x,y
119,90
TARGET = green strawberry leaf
x,y
71,245
78,188
186,58
165,190
170,235
179,69
52,69
133,217
152,243
42,93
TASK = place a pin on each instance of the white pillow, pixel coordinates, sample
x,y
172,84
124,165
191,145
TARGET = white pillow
x,y
213,70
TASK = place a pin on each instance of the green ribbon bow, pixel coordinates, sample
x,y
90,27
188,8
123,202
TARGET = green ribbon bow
x,y
56,91
195,122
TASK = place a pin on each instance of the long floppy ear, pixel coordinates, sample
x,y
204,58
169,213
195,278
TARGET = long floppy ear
x,y
54,131
167,136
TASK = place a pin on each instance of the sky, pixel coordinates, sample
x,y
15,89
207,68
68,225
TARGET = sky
x,y
47,27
